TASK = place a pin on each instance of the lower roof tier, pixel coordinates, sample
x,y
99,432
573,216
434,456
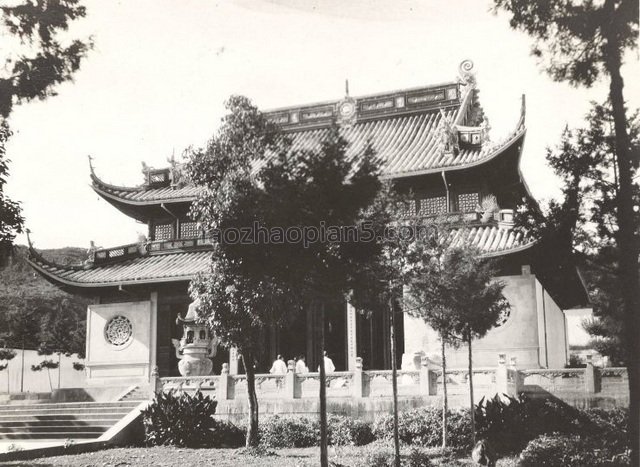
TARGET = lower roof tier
x,y
182,264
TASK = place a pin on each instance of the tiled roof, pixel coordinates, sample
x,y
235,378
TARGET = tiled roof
x,y
491,239
144,195
167,267
407,141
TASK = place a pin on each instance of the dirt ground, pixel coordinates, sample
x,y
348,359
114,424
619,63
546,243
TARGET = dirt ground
x,y
171,456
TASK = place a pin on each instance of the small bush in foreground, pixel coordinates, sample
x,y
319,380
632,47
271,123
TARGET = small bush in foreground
x,y
179,419
571,451
423,427
226,435
289,432
347,431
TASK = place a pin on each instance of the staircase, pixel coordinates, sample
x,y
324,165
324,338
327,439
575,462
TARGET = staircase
x,y
71,420
138,394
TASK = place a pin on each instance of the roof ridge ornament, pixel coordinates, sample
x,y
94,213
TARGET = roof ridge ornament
x,y
346,109
448,135
467,76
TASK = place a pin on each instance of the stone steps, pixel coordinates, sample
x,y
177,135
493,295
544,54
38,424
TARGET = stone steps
x,y
73,420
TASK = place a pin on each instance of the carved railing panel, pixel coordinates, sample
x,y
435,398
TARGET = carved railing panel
x,y
187,383
269,385
567,380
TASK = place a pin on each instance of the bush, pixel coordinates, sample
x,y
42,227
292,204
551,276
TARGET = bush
x,y
418,458
571,451
226,435
423,427
347,431
509,423
179,419
290,432
377,455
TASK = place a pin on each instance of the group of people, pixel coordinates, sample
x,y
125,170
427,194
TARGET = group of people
x,y
279,366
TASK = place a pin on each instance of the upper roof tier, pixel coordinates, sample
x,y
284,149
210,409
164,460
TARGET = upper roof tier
x,y
414,132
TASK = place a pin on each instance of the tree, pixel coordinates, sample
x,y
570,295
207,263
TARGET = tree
x,y
580,41
39,63
48,365
60,333
5,356
473,299
429,300
336,191
240,297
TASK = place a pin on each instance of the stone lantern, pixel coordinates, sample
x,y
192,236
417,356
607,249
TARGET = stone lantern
x,y
197,345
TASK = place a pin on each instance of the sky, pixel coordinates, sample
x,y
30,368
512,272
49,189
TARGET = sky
x,y
156,81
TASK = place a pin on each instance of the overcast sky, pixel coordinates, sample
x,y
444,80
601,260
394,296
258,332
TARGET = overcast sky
x,y
161,70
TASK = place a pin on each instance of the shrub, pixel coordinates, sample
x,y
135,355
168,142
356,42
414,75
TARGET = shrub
x,y
226,435
179,419
571,451
347,431
418,458
377,455
509,423
423,427
289,432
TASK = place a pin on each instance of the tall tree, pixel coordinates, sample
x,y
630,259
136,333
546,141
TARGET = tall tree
x,y
579,41
428,297
35,62
473,299
239,297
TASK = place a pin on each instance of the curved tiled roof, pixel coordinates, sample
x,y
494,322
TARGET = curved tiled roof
x,y
407,142
167,267
493,240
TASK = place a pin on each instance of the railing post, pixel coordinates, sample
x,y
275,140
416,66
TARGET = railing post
x,y
290,381
155,383
222,391
428,383
502,375
517,382
358,382
590,376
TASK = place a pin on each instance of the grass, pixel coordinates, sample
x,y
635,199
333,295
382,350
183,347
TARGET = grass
x,y
172,456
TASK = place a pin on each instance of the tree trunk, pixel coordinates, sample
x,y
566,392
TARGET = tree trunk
x,y
324,441
473,407
59,370
22,369
626,238
252,429
49,376
445,399
394,383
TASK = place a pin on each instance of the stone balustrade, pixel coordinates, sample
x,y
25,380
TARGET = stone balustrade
x,y
505,378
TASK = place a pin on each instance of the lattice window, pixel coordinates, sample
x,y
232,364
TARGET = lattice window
x,y
435,205
163,231
116,252
468,202
118,331
189,230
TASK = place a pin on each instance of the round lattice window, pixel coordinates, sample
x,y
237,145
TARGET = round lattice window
x,y
504,316
118,331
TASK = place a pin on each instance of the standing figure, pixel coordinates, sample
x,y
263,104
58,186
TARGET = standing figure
x,y
301,366
329,367
279,366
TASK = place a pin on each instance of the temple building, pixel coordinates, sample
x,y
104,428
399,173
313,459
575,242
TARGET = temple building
x,y
434,142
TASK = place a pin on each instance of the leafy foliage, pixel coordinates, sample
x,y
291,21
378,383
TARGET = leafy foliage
x,y
43,61
574,36
571,451
180,419
510,423
423,427
11,220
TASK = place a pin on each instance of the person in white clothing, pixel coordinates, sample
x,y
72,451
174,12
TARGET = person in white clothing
x,y
301,366
279,367
329,367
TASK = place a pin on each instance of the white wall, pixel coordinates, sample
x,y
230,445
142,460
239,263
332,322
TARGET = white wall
x,y
38,381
